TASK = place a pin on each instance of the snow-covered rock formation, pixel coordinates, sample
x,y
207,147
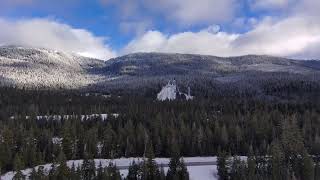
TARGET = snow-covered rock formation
x,y
171,92
188,96
168,92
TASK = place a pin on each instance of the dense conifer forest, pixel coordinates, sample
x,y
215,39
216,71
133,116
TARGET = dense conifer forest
x,y
279,135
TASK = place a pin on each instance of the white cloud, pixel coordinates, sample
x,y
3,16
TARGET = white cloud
x,y
309,7
51,34
195,12
182,12
270,4
135,27
290,37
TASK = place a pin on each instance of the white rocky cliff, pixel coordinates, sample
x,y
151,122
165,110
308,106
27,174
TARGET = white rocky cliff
x,y
171,91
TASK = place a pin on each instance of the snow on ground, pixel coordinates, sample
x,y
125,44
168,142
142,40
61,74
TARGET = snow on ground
x,y
196,172
86,117
57,140
203,172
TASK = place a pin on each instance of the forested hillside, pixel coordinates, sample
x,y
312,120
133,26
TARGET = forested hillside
x,y
56,107
218,120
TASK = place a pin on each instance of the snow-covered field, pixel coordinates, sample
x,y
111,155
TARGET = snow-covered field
x,y
199,168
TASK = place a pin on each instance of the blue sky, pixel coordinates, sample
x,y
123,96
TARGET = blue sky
x,y
109,28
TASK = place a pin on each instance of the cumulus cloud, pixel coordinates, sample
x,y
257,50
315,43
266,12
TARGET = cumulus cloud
x,y
135,27
182,12
47,33
195,12
287,37
270,4
307,7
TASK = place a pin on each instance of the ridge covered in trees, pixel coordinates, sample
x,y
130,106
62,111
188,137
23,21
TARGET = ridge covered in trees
x,y
234,123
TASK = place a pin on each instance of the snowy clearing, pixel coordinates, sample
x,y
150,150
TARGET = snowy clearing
x,y
200,168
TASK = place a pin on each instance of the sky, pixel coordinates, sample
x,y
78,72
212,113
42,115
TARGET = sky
x,y
109,28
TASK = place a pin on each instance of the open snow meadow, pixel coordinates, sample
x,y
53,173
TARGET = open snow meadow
x,y
199,168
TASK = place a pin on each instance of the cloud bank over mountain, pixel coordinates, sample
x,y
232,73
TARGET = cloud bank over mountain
x,y
48,33
288,37
288,28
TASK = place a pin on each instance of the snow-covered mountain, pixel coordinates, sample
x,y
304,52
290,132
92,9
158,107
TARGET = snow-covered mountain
x,y
43,68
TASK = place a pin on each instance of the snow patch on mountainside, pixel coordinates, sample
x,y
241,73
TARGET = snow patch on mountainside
x,y
168,92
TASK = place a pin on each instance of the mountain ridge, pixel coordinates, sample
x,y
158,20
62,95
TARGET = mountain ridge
x,y
45,68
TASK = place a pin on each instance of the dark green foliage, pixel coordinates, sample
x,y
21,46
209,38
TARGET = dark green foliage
x,y
111,173
63,171
238,170
225,119
177,169
222,166
134,172
149,168
88,169
251,166
278,164
317,171
18,165
307,167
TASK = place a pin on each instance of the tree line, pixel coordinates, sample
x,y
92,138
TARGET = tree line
x,y
145,170
235,123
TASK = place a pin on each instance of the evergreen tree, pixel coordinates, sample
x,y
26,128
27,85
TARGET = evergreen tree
x,y
279,170
307,167
238,170
74,175
112,173
67,142
88,169
317,171
63,171
18,165
251,166
0,168
222,166
53,172
177,170
150,170
134,170
33,175
100,172
41,174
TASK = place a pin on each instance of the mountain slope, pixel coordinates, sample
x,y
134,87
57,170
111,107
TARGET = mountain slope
x,y
43,68
148,69
160,64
